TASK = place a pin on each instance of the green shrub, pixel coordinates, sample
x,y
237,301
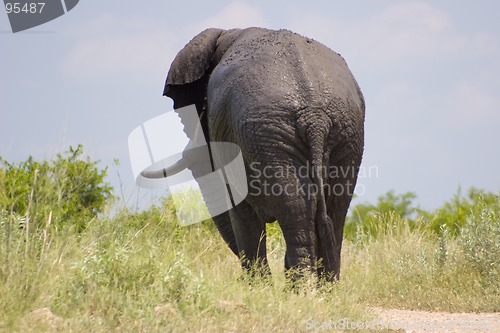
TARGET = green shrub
x,y
405,267
68,190
453,215
365,219
479,240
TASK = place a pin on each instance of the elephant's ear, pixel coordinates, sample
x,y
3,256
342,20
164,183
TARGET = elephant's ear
x,y
193,61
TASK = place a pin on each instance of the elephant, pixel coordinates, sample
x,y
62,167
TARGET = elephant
x,y
295,110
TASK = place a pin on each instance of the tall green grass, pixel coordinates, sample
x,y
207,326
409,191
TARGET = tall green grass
x,y
410,267
143,272
140,272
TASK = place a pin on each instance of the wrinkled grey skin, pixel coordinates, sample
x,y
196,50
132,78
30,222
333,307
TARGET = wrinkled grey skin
x,y
289,103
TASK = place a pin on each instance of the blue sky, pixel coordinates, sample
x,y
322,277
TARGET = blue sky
x,y
429,70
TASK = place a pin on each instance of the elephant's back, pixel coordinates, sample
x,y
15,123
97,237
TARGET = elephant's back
x,y
292,70
273,86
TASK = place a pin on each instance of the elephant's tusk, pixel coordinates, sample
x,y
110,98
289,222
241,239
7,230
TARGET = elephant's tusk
x,y
166,172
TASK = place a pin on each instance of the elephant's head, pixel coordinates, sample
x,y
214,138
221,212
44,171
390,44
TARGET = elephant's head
x,y
187,81
190,71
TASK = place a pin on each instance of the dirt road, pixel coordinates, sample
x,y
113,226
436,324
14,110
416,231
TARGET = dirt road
x,y
421,321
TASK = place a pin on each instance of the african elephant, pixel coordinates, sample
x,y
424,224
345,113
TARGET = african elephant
x,y
293,107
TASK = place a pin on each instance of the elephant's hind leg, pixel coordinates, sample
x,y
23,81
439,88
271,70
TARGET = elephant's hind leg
x,y
250,235
300,256
296,220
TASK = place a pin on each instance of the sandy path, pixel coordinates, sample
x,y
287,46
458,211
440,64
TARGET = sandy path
x,y
421,321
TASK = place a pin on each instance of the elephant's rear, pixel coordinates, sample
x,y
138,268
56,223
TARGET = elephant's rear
x,y
288,89
283,72
291,102
333,125
334,128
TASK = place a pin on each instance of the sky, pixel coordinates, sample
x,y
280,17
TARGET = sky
x,y
429,72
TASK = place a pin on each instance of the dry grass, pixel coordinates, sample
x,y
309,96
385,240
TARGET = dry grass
x,y
143,273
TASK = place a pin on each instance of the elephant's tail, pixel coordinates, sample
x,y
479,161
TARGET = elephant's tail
x,y
324,224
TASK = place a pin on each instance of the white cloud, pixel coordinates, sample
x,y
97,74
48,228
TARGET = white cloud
x,y
470,105
414,29
238,14
111,49
410,30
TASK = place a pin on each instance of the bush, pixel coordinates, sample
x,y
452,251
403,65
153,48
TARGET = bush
x,y
67,190
479,240
405,267
366,218
453,215
449,219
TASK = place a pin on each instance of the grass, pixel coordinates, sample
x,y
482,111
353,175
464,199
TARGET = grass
x,y
62,270
142,272
414,269
136,273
